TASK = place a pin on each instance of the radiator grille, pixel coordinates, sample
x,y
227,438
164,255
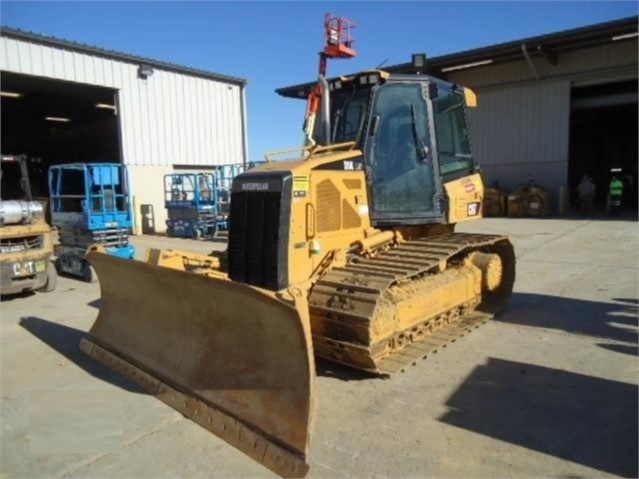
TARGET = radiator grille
x,y
25,243
253,238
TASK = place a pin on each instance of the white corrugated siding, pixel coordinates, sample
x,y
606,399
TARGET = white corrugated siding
x,y
169,118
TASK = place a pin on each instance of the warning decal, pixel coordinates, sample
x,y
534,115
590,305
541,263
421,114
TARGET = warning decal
x,y
301,186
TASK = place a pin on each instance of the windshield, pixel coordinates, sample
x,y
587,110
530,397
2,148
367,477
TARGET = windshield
x,y
348,110
451,130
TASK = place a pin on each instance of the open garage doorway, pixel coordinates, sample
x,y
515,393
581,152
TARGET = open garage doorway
x,y
603,135
56,122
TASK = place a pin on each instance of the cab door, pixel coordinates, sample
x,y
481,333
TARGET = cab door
x,y
404,185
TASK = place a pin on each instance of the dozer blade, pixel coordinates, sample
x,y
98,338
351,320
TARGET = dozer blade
x,y
232,358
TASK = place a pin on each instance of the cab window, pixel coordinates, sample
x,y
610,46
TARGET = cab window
x,y
451,129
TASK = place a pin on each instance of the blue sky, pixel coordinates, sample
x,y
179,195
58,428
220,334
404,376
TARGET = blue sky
x,y
275,44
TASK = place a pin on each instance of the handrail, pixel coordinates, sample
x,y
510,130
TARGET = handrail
x,y
311,149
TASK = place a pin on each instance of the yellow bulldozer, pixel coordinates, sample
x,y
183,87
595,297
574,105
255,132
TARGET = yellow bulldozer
x,y
344,249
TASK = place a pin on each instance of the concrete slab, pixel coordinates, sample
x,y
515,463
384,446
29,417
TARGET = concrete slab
x,y
548,389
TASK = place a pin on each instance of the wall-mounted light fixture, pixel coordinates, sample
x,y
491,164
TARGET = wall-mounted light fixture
x,y
10,94
58,119
145,71
625,36
467,65
105,106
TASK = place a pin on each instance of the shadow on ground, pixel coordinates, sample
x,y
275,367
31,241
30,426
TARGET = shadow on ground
x,y
66,341
16,296
615,321
583,419
328,369
620,348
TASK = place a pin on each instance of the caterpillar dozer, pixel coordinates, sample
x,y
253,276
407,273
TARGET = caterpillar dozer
x,y
342,249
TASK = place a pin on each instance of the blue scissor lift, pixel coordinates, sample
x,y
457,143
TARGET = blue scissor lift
x,y
191,203
198,204
91,208
224,175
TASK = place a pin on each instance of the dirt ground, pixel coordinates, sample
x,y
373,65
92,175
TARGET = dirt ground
x,y
547,389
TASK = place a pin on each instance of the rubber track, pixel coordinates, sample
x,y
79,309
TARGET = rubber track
x,y
355,289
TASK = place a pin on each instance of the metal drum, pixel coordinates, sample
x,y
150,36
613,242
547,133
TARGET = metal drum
x,y
17,212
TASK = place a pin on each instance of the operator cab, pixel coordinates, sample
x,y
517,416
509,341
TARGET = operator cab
x,y
413,130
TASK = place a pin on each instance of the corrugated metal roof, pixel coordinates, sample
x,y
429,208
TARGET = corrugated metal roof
x,y
548,45
114,55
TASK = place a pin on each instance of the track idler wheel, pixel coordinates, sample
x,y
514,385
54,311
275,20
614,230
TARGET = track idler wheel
x,y
491,268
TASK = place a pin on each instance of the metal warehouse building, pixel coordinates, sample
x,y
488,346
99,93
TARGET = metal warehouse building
x,y
65,102
554,106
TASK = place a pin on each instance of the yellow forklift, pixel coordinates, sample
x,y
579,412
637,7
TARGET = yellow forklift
x,y
26,246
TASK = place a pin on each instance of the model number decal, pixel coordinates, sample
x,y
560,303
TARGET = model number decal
x,y
472,209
